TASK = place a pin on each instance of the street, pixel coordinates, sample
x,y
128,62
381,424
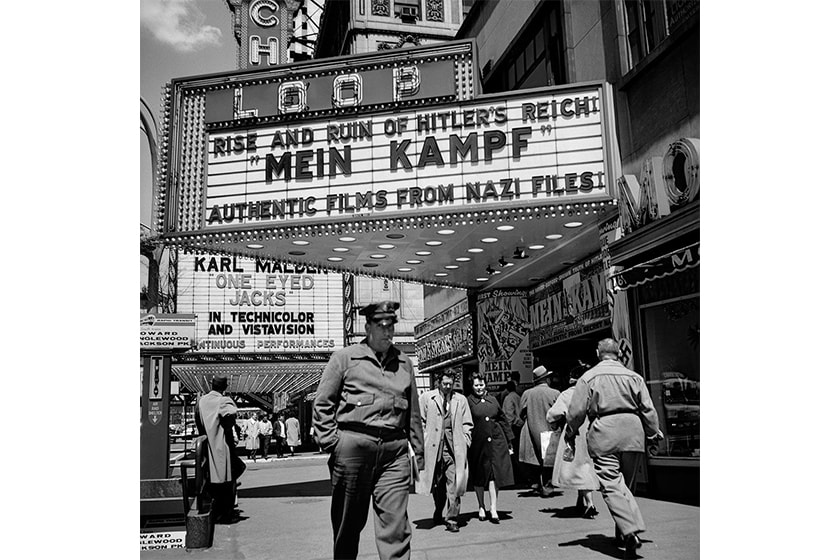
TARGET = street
x,y
285,514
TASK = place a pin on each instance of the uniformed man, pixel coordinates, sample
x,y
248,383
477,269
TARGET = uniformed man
x,y
365,414
621,415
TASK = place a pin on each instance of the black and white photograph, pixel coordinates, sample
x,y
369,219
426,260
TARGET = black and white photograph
x,y
421,278
357,214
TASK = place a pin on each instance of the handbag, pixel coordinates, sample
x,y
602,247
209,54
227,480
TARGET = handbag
x,y
549,443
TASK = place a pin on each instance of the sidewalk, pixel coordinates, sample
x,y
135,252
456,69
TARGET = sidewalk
x,y
285,514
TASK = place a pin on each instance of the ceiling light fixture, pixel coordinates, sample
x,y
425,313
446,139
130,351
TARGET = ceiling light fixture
x,y
347,239
481,279
386,246
446,232
536,247
489,240
434,243
553,236
423,253
255,246
574,224
475,250
491,271
300,242
504,228
463,259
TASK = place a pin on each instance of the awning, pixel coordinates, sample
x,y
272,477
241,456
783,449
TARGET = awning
x,y
660,267
251,378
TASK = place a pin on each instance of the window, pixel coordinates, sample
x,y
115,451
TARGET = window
x,y
671,332
649,22
537,58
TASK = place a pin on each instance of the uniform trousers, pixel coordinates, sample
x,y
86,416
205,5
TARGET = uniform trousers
x,y
364,467
447,502
620,501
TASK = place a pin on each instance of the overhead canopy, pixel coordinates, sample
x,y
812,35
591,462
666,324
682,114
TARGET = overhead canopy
x,y
660,267
251,378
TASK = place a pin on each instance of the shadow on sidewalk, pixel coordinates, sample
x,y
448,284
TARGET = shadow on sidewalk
x,y
312,488
598,543
603,544
568,512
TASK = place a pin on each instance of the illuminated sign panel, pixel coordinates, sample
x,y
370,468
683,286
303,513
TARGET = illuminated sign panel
x,y
546,146
245,305
303,94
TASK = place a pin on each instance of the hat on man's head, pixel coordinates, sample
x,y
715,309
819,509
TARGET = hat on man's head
x,y
219,380
376,312
541,373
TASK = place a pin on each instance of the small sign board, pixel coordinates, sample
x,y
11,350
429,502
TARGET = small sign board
x,y
163,540
167,331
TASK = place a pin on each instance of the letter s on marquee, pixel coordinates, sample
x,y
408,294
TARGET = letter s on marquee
x,y
259,19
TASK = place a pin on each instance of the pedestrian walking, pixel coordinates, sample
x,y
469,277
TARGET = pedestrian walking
x,y
215,418
577,474
365,413
512,408
535,404
279,434
252,436
447,431
292,434
265,430
621,415
492,446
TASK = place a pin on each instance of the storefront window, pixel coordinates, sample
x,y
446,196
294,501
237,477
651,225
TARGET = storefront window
x,y
672,359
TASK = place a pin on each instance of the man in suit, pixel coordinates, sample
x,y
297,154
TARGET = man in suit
x,y
364,414
621,415
215,418
535,403
447,431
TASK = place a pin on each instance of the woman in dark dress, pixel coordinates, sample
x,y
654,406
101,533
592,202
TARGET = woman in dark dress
x,y
491,447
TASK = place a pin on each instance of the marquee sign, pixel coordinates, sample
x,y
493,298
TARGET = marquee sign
x,y
245,305
539,147
570,305
374,135
445,338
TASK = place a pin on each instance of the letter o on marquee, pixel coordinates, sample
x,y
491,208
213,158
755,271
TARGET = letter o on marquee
x,y
681,167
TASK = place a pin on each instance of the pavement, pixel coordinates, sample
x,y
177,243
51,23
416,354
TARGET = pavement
x,y
285,505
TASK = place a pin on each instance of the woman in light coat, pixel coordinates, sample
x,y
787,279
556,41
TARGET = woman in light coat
x,y
292,433
252,436
578,474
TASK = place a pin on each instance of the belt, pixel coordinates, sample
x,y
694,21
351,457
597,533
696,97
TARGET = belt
x,y
385,434
611,412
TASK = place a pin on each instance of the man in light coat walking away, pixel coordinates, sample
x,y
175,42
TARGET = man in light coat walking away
x,y
621,415
447,433
215,418
535,403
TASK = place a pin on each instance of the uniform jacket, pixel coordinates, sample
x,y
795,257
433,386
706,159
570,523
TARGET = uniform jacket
x,y
619,408
217,413
431,414
356,387
535,404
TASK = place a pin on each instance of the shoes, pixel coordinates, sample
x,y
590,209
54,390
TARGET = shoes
x,y
631,544
545,491
494,518
452,527
590,512
482,516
